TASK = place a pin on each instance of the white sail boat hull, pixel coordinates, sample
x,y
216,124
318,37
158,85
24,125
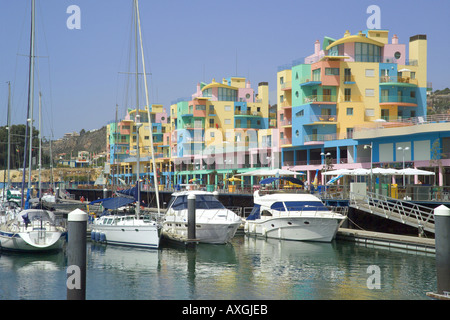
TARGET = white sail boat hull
x,y
32,241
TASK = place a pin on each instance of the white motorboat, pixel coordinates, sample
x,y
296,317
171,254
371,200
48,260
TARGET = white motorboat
x,y
214,223
292,216
32,230
127,230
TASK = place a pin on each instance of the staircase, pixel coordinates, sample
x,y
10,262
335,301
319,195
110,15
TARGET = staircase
x,y
409,213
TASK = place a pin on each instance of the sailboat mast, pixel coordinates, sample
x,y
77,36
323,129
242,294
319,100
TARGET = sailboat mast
x,y
155,176
29,125
9,136
40,145
137,116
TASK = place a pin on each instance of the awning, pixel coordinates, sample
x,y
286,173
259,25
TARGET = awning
x,y
290,179
113,203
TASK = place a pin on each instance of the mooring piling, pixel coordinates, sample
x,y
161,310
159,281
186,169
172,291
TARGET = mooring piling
x,y
76,255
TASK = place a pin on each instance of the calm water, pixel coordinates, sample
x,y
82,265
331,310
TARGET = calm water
x,y
247,268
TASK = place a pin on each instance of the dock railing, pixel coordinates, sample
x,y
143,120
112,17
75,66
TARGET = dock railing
x,y
406,212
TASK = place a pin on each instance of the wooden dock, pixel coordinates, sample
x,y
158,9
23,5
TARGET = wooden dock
x,y
387,240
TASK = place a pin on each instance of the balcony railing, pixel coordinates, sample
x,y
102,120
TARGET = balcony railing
x,y
319,98
324,118
285,141
387,79
285,122
286,85
398,99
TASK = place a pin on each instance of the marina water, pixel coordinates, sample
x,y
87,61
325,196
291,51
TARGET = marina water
x,y
245,269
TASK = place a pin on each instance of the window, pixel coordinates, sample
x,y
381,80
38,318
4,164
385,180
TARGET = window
x,y
227,121
412,94
281,98
200,107
413,75
349,111
348,94
365,52
316,75
281,80
227,108
300,113
331,71
370,73
349,133
370,112
370,92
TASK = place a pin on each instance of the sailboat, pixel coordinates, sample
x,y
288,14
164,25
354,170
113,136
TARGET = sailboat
x,y
131,230
33,230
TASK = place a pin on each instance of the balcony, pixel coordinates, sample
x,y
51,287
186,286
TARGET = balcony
x,y
398,81
285,123
286,142
247,113
324,119
320,99
286,85
349,79
399,100
306,82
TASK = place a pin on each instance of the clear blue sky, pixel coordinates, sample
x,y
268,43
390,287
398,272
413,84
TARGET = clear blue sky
x,y
186,41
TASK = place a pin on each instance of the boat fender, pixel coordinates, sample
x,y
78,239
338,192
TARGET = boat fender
x,y
102,237
97,236
93,235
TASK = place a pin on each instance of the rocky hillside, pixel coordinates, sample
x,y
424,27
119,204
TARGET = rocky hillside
x,y
91,141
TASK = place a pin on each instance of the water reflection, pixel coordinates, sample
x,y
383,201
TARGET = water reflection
x,y
247,268
31,276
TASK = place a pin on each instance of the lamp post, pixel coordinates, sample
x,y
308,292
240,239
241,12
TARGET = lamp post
x,y
371,159
325,155
403,149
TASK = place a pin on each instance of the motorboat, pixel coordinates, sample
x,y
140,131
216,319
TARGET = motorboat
x,y
32,230
127,230
292,216
215,224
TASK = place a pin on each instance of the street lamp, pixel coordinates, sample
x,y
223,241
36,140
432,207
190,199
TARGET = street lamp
x,y
371,159
403,149
325,155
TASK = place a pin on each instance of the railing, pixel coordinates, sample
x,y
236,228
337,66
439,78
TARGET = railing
x,y
285,122
436,118
285,141
394,79
324,118
397,98
319,98
286,85
406,212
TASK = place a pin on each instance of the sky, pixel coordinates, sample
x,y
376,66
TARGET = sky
x,y
84,73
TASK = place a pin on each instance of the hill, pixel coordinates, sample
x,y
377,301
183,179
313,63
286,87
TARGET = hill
x,y
93,141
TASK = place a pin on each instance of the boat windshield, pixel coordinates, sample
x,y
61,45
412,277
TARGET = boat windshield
x,y
202,201
299,206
